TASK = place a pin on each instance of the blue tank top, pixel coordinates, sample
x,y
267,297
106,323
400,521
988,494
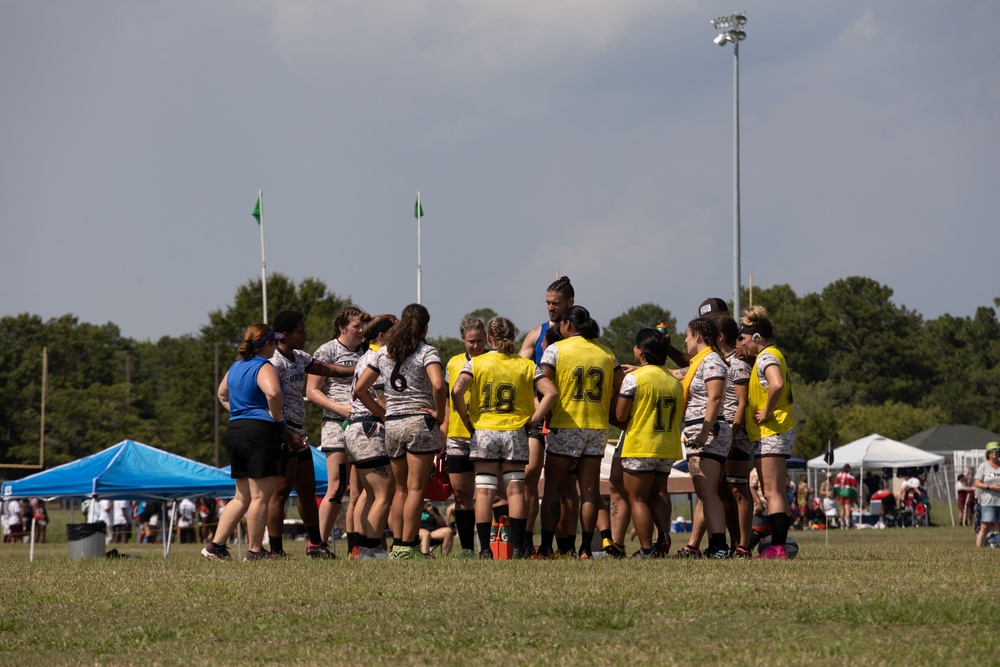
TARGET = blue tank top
x,y
246,400
539,341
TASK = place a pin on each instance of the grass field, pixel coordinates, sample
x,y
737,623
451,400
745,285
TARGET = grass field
x,y
893,597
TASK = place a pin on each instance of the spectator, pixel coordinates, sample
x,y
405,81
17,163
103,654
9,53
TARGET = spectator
x,y
121,514
185,521
988,483
845,487
434,527
13,521
41,517
801,506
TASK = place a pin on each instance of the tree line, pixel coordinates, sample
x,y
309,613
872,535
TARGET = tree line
x,y
860,364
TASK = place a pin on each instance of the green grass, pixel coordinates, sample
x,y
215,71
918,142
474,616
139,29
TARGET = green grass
x,y
906,597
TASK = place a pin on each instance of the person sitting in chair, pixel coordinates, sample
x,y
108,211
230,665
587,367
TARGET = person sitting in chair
x,y
434,530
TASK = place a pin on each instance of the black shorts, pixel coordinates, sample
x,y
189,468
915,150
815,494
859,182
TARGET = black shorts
x,y
456,465
256,449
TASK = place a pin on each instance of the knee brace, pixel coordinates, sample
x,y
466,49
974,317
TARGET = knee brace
x,y
513,476
338,496
735,479
486,481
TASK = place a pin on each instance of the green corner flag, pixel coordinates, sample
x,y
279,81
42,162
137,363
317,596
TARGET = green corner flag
x,y
256,209
418,209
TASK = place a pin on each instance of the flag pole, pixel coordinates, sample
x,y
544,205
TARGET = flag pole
x,y
418,213
263,262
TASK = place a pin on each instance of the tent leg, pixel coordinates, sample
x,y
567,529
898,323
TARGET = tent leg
x,y
31,550
170,535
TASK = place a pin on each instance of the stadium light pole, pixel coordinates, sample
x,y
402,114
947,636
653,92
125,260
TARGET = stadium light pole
x,y
731,31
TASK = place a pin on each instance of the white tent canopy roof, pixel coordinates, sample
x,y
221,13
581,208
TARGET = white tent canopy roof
x,y
876,451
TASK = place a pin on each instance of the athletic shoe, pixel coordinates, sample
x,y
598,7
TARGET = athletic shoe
x,y
529,551
689,552
542,555
356,552
773,553
399,553
212,552
263,554
364,553
718,554
466,554
486,554
742,553
280,554
612,549
586,556
379,553
517,554
571,553
661,549
322,551
641,556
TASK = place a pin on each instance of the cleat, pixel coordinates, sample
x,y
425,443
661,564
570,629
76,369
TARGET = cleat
x,y
322,551
661,549
486,554
718,554
689,552
639,555
280,554
212,552
466,554
263,554
612,549
773,553
380,554
517,554
364,553
529,550
586,556
570,553
356,552
742,553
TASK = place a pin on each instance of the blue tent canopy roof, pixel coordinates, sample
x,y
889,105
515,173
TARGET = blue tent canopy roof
x,y
127,471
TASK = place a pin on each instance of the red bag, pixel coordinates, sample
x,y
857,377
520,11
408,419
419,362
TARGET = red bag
x,y
438,485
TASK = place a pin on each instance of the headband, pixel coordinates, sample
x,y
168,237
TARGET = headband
x,y
265,339
751,329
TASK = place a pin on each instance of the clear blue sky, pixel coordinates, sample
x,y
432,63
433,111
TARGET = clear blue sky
x,y
589,138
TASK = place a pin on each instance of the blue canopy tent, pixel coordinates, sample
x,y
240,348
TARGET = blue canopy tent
x,y
127,471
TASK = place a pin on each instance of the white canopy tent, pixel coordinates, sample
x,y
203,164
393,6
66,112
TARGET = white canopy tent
x,y
876,451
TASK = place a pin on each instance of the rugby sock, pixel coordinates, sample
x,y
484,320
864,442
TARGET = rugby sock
x,y
500,510
517,533
465,522
352,539
372,542
645,551
483,528
566,544
313,533
275,543
717,542
606,534
529,538
409,543
545,546
779,528
588,541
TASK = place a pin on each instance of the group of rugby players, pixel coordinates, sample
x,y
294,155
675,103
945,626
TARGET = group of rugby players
x,y
391,405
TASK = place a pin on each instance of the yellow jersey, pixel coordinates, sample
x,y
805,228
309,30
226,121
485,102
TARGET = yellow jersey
x,y
503,391
456,429
782,420
654,426
584,375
